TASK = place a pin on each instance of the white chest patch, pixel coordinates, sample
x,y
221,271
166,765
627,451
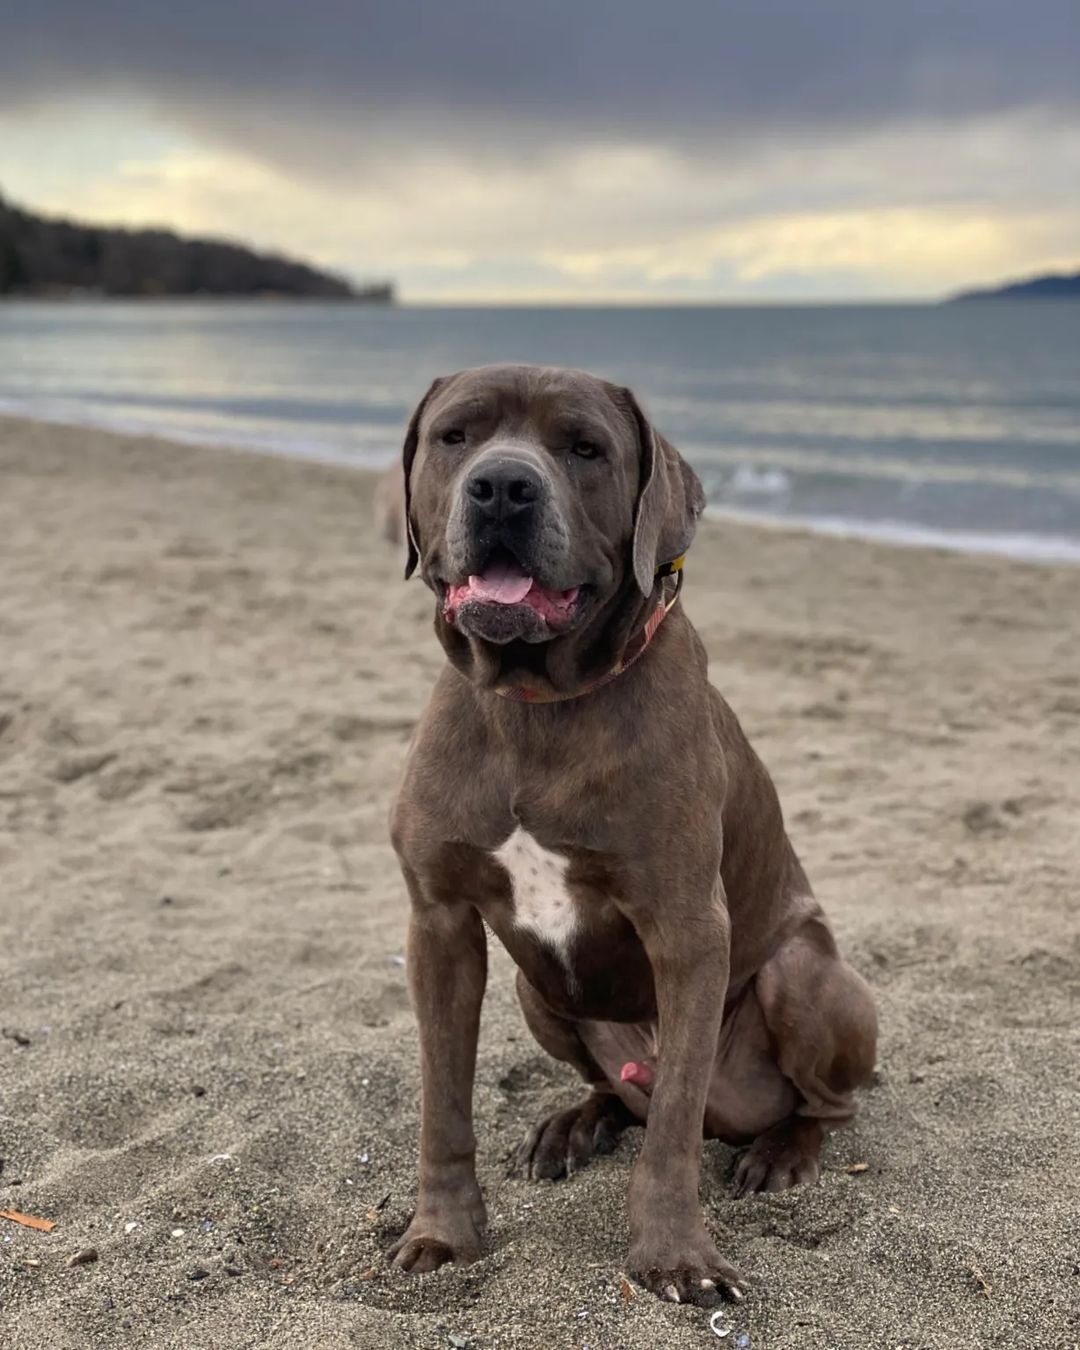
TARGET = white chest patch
x,y
542,901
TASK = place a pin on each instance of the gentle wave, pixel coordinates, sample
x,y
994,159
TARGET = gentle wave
x,y
890,468
754,481
288,446
748,479
755,470
1035,548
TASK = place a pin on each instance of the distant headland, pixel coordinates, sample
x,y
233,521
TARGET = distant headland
x,y
1050,287
45,257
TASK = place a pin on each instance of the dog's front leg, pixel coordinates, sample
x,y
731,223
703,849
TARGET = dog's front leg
x,y
671,1252
447,966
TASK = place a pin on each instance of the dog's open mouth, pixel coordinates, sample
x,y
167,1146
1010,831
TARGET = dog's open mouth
x,y
503,602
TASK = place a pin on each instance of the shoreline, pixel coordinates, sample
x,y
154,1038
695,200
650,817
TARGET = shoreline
x,y
1037,549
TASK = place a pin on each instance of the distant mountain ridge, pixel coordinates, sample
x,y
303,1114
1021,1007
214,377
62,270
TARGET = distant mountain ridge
x,y
42,256
1059,286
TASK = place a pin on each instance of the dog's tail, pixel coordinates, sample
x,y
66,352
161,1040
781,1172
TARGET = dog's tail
x,y
389,506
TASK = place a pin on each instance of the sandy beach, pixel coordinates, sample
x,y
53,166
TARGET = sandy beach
x,y
209,670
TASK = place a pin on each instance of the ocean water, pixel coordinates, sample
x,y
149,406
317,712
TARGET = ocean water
x,y
957,425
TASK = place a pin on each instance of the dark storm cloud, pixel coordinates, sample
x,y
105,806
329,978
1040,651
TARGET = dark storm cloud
x,y
680,70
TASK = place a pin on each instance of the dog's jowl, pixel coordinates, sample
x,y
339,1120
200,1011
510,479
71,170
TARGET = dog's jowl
x,y
577,783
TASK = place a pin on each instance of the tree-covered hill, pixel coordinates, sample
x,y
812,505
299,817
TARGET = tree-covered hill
x,y
44,256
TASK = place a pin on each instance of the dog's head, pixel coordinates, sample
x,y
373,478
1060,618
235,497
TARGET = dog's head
x,y
539,505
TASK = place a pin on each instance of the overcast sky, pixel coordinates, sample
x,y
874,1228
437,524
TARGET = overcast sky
x,y
493,150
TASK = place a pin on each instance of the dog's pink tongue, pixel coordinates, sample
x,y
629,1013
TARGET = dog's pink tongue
x,y
504,583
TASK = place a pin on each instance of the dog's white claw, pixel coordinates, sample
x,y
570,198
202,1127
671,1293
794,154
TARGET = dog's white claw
x,y
737,1294
708,1284
672,1293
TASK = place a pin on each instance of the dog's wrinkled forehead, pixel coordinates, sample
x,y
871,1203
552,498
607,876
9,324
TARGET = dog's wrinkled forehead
x,y
533,403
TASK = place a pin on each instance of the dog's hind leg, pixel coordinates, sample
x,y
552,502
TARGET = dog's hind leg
x,y
821,1017
564,1142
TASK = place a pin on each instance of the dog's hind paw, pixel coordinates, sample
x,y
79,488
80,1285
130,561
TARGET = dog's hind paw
x,y
787,1155
563,1143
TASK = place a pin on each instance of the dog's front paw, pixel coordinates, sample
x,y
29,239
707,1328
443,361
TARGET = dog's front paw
x,y
686,1270
431,1240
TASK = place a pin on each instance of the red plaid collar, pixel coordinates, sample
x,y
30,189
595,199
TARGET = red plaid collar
x,y
525,693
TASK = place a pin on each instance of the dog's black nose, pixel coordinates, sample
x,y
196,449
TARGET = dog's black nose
x,y
504,489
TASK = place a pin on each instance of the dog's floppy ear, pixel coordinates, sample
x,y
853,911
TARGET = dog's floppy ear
x,y
670,500
408,454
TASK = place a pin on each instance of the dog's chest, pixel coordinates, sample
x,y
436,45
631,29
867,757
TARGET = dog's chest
x,y
542,901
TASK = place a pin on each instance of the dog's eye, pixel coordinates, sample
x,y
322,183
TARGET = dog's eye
x,y
455,436
585,449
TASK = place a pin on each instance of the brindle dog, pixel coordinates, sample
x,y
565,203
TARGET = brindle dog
x,y
584,790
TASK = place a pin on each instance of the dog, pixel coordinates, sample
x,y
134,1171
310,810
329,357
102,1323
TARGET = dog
x,y
577,784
